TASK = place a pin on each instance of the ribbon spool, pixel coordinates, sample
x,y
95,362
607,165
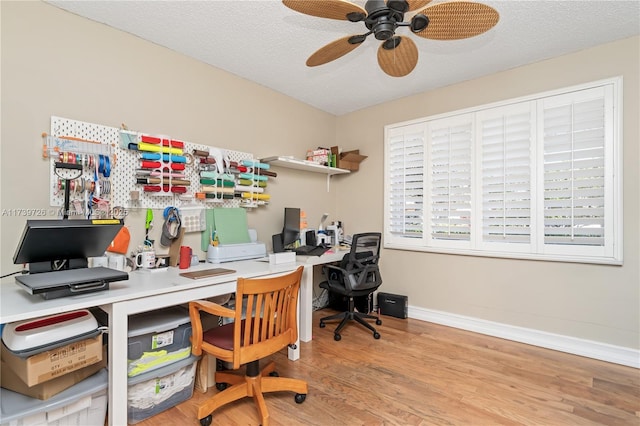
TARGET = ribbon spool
x,y
104,165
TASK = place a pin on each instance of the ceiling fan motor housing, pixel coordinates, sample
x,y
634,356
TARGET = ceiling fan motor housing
x,y
381,19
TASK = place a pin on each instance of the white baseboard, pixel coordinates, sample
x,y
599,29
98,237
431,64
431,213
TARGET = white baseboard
x,y
588,348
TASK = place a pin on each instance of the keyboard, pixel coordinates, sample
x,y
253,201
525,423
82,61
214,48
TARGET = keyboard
x,y
311,250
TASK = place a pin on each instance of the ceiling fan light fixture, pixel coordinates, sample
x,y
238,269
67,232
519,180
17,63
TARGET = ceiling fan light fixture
x,y
398,5
374,6
391,43
355,16
419,22
357,39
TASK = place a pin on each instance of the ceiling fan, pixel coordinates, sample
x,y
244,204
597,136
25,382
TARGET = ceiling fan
x,y
397,55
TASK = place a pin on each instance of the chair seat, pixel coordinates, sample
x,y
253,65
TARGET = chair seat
x,y
222,336
341,289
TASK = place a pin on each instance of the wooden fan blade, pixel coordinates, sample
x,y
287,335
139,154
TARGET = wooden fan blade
x,y
331,51
457,20
417,4
400,61
332,9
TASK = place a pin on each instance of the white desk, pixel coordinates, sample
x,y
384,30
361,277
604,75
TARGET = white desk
x,y
306,288
146,291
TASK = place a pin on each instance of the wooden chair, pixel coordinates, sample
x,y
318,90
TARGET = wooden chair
x,y
270,325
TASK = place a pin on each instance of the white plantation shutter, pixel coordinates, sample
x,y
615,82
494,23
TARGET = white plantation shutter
x,y
505,169
451,150
405,165
574,169
535,178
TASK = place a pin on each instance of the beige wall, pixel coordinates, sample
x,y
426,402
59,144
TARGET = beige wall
x,y
593,302
55,63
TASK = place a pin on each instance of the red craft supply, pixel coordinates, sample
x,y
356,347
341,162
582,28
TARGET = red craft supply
x,y
185,257
173,143
150,164
150,139
174,189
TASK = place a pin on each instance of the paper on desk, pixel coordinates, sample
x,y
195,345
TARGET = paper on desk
x,y
231,225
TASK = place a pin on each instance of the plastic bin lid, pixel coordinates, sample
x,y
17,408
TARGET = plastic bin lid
x,y
15,406
157,321
162,371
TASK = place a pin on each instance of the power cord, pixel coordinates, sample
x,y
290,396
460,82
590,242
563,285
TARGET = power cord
x,y
23,272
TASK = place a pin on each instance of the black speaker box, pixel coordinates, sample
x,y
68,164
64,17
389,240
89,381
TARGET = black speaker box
x,y
393,305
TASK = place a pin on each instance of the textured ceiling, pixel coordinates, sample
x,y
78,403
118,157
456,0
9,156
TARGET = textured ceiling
x,y
268,43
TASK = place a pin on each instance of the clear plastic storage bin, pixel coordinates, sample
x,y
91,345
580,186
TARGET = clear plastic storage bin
x,y
158,338
83,404
158,390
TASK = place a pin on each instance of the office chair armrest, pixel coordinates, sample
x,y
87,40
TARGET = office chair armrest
x,y
334,274
195,307
357,279
212,308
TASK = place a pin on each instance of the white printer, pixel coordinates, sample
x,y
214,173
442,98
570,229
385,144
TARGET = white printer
x,y
242,251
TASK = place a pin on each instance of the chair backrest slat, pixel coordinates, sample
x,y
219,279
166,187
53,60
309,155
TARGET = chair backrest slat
x,y
271,308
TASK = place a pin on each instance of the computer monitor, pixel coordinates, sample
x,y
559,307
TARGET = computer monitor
x,y
291,230
45,242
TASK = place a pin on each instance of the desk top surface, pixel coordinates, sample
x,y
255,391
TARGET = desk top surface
x,y
16,304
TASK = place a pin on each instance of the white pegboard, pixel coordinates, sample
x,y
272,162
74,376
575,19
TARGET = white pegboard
x,y
125,162
126,183
79,138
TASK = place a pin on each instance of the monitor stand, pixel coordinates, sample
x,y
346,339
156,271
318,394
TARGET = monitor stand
x,y
53,265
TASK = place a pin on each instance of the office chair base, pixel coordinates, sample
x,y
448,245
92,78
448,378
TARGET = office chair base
x,y
348,316
254,383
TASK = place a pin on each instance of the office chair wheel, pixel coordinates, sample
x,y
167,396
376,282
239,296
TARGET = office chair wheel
x,y
300,397
378,321
337,337
322,324
274,374
206,421
222,386
376,335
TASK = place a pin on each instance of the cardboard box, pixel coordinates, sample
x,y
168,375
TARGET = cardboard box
x,y
57,362
10,380
348,160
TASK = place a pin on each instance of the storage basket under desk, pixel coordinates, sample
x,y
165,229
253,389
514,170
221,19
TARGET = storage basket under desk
x,y
155,391
84,403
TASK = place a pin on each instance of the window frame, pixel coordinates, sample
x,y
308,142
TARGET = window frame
x,y
612,250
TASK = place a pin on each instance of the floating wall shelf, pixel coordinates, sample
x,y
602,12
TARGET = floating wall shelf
x,y
304,165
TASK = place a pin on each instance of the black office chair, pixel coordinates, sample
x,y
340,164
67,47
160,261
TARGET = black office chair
x,y
357,276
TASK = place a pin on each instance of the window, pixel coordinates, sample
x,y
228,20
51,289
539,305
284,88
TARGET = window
x,y
536,178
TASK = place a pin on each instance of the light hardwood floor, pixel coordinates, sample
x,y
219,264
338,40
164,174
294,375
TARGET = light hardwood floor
x,y
421,373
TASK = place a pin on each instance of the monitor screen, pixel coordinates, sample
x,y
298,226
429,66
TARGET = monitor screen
x,y
49,240
291,230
